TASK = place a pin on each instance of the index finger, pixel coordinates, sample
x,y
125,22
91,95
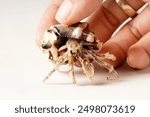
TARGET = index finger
x,y
48,19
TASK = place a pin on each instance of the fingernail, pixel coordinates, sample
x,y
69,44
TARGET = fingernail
x,y
64,11
138,58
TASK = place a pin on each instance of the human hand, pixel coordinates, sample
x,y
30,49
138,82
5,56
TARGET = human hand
x,y
131,43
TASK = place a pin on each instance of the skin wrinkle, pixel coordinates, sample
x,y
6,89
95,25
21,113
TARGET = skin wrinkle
x,y
108,26
135,32
107,14
113,7
148,53
124,42
122,51
96,26
94,23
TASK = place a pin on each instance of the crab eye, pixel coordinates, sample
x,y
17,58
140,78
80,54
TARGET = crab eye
x,y
46,46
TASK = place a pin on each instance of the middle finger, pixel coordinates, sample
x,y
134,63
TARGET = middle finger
x,y
107,18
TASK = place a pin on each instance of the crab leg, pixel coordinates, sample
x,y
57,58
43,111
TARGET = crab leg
x,y
71,70
61,60
99,60
107,56
49,74
107,66
88,68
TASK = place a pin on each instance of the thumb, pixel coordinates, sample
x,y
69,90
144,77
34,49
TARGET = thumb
x,y
72,11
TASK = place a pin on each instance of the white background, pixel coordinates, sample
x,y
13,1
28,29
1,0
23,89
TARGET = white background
x,y
22,64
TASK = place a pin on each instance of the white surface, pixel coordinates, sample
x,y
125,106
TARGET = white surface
x,y
22,64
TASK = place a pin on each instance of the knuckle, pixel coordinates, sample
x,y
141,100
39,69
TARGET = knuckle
x,y
134,31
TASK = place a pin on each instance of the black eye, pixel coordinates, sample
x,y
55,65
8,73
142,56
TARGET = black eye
x,y
46,46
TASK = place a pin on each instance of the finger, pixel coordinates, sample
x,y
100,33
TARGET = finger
x,y
72,11
146,0
127,36
139,53
48,18
107,18
103,22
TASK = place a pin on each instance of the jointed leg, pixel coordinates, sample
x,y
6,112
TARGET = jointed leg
x,y
109,67
71,69
61,60
107,56
88,68
48,75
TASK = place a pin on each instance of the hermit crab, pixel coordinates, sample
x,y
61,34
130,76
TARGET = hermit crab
x,y
75,44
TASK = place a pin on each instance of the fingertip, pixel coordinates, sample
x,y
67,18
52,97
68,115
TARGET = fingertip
x,y
64,11
48,19
72,11
138,58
